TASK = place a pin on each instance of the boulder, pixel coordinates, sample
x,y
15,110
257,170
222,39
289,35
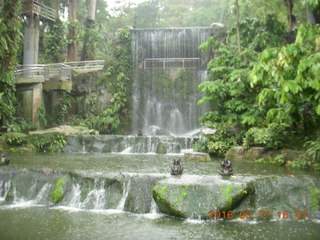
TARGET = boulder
x,y
66,130
253,153
208,131
197,157
194,196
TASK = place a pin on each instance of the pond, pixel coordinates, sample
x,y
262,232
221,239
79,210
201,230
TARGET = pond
x,y
31,215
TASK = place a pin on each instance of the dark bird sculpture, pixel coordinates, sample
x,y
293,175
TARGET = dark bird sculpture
x,y
226,168
4,158
177,168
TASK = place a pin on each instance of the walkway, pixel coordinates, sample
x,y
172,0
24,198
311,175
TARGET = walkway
x,y
55,75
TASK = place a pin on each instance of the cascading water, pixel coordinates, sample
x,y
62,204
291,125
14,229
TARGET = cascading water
x,y
167,68
4,189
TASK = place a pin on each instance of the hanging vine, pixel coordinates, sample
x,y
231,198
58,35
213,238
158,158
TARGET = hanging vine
x,y
116,118
10,23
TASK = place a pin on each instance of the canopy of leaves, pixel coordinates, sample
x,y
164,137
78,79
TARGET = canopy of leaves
x,y
228,88
289,78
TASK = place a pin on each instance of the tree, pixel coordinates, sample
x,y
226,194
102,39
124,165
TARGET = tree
x,y
238,24
10,23
72,46
88,50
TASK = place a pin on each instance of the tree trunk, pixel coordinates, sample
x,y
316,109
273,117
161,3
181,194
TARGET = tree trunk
x,y
88,50
72,46
291,18
238,25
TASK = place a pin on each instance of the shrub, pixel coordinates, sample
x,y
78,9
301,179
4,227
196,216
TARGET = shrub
x,y
16,139
273,136
50,142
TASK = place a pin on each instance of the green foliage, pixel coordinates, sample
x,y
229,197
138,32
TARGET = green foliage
x,y
16,139
41,116
228,90
62,110
303,162
313,150
258,35
10,23
278,160
19,125
50,142
201,145
55,42
260,160
119,71
315,197
274,136
58,193
219,143
289,81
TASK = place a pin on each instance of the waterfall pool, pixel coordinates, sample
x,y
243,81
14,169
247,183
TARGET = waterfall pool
x,y
96,204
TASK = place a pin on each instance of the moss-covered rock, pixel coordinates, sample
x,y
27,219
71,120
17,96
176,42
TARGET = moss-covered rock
x,y
195,196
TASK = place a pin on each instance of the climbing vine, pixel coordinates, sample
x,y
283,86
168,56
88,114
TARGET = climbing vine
x,y
10,23
116,118
55,42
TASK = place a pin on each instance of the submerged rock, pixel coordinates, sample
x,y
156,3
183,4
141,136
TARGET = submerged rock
x,y
197,157
194,196
284,197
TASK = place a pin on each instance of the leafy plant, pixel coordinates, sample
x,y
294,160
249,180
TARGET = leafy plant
x,y
201,145
289,81
313,150
228,90
273,136
225,137
118,70
50,142
260,160
16,139
10,23
278,160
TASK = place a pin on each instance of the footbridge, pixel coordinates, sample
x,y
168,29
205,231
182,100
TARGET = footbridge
x,y
32,80
55,76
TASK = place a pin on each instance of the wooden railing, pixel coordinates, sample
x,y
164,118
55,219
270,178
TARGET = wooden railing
x,y
168,63
40,9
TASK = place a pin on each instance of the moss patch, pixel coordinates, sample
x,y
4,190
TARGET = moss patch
x,y
315,198
165,206
161,149
58,193
233,200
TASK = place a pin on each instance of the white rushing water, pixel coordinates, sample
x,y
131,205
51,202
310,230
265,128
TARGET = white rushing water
x,y
168,67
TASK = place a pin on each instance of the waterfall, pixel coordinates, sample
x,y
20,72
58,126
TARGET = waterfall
x,y
131,144
4,189
167,68
126,189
